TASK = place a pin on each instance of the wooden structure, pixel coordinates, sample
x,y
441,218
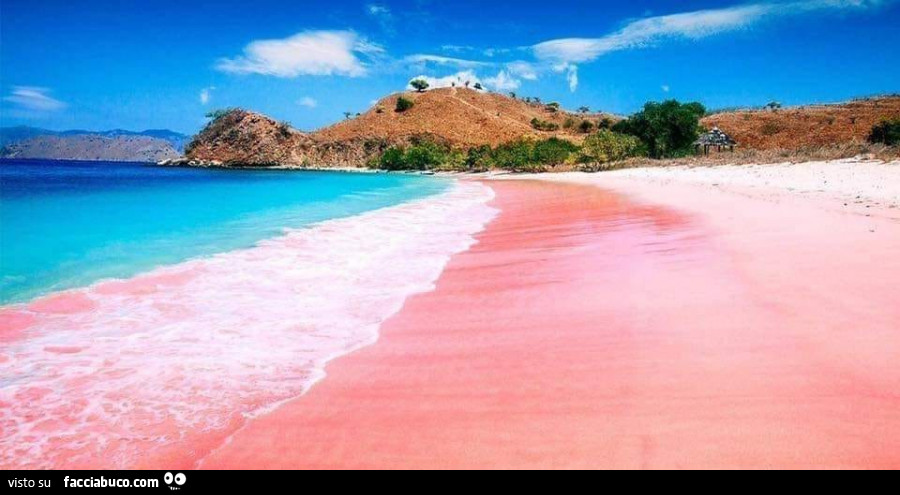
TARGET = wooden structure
x,y
715,138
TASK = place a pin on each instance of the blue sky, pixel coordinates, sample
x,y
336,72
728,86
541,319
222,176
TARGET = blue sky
x,y
139,65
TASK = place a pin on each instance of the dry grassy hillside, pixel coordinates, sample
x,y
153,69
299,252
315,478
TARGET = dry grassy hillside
x,y
463,117
806,126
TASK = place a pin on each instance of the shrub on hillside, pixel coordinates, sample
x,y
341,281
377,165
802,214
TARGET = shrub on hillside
x,y
886,132
214,115
606,146
543,125
586,126
284,129
668,129
404,104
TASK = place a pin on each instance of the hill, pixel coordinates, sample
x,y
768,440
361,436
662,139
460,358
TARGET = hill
x,y
458,117
113,145
807,126
92,147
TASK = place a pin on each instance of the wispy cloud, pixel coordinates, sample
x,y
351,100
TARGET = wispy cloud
x,y
206,94
665,88
687,25
563,55
308,102
309,53
382,14
420,58
33,100
457,48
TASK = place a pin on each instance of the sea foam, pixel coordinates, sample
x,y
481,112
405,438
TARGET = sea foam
x,y
162,367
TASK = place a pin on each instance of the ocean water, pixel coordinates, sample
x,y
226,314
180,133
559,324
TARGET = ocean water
x,y
69,224
174,306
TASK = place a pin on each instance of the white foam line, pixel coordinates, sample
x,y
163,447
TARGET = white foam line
x,y
233,337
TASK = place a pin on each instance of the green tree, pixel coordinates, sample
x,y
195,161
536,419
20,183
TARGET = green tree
x,y
607,146
419,85
478,86
584,109
553,151
667,129
393,158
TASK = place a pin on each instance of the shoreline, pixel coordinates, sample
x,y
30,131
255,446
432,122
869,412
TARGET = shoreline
x,y
622,324
134,360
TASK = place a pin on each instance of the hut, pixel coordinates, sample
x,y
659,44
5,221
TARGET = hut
x,y
715,138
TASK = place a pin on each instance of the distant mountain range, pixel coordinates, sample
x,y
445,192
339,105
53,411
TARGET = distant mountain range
x,y
113,145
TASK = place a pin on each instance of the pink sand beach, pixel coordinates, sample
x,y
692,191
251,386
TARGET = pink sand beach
x,y
632,325
619,320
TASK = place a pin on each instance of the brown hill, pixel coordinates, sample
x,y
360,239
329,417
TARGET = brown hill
x,y
246,138
806,126
458,117
463,117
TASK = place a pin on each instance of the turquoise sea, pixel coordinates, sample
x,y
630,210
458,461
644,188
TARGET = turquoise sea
x,y
69,224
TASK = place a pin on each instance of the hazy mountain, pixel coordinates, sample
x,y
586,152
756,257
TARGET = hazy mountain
x,y
114,145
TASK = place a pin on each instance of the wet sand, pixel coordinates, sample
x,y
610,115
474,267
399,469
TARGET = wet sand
x,y
639,325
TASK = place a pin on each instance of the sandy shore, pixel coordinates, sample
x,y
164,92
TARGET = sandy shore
x,y
650,318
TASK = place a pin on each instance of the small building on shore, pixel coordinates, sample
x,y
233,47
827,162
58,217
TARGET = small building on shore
x,y
714,138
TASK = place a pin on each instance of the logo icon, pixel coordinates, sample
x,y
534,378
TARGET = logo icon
x,y
177,479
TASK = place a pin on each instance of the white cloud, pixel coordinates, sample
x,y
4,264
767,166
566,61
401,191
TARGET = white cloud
x,y
690,25
665,88
522,69
33,99
375,9
206,94
459,79
572,77
490,52
456,48
382,15
425,59
503,82
307,102
310,53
